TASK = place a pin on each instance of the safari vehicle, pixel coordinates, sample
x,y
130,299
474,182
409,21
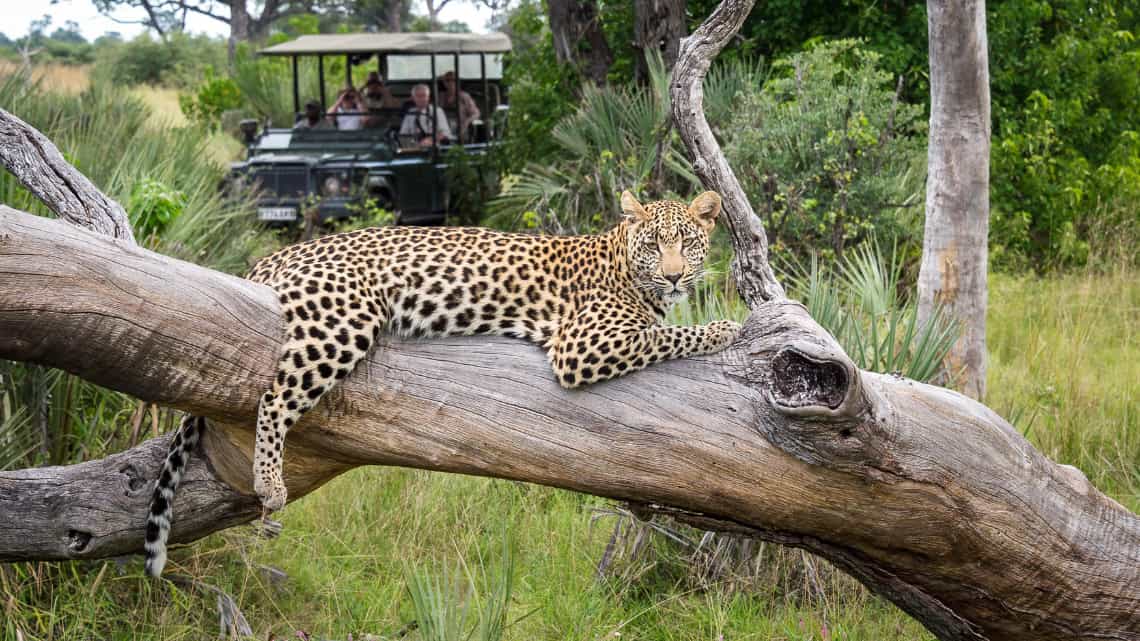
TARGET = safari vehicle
x,y
337,173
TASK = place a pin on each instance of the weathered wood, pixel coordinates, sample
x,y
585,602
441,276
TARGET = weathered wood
x,y
928,497
39,166
954,243
754,278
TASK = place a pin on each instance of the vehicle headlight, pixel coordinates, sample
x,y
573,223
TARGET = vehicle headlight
x,y
332,186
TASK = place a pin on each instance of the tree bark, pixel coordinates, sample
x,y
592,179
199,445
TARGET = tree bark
x,y
578,38
926,496
954,252
41,169
658,25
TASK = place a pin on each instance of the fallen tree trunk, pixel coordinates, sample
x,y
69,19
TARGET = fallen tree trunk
x,y
928,497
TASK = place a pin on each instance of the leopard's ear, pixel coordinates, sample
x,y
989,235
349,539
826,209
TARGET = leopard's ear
x,y
705,208
632,208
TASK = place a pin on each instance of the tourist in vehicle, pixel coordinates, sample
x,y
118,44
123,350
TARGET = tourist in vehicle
x,y
347,110
376,96
451,97
418,120
314,117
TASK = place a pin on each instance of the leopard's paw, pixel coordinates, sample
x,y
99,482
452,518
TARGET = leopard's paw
x,y
719,335
271,490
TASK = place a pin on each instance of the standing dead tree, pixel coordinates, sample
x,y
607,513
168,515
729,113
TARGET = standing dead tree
x,y
956,238
929,498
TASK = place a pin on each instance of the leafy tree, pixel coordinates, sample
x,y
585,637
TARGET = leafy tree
x,y
827,152
1065,90
541,88
69,32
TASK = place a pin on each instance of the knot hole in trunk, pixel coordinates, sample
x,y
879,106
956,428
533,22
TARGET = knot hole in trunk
x,y
799,381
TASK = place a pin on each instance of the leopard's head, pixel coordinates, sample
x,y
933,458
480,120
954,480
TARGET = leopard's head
x,y
667,242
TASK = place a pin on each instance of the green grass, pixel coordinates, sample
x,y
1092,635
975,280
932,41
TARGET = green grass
x,y
1065,369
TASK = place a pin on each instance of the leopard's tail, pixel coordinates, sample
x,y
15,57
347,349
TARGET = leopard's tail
x,y
159,517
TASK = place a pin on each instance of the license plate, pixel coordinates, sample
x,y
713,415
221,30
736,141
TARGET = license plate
x,y
276,213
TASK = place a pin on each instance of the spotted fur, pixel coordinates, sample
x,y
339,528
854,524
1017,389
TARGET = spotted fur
x,y
595,303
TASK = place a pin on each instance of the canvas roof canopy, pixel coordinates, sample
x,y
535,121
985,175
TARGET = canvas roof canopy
x,y
367,43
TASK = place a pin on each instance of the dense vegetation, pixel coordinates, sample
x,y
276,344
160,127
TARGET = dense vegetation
x,y
831,148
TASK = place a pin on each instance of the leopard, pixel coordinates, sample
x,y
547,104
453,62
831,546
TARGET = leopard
x,y
595,303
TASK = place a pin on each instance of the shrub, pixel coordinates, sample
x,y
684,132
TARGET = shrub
x,y
828,154
215,96
152,206
542,91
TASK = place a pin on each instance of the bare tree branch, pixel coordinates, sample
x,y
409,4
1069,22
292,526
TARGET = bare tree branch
x,y
39,167
754,277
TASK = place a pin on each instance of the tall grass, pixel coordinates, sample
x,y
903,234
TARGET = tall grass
x,y
1064,365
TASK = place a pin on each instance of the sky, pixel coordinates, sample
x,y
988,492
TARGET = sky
x,y
17,15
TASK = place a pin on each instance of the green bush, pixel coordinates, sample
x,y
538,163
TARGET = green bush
x,y
1064,154
153,206
542,91
215,96
826,153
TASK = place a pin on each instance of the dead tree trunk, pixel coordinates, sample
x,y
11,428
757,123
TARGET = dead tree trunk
x,y
926,496
954,249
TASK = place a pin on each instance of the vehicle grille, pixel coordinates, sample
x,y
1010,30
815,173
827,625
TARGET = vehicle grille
x,y
283,181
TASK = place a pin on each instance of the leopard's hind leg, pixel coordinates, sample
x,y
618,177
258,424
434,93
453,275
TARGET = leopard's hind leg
x,y
328,333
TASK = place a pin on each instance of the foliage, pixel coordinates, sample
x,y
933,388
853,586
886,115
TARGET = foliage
x,y
617,139
179,61
443,599
65,45
215,96
542,91
827,154
861,303
153,206
472,181
1065,153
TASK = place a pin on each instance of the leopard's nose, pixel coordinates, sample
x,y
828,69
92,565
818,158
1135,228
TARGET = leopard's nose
x,y
673,278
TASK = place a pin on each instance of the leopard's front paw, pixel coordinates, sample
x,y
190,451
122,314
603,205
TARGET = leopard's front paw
x,y
271,490
719,335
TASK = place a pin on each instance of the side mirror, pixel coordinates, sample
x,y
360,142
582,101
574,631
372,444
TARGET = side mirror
x,y
248,129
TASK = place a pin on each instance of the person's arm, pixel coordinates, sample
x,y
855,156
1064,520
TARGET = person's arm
x,y
468,110
442,129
